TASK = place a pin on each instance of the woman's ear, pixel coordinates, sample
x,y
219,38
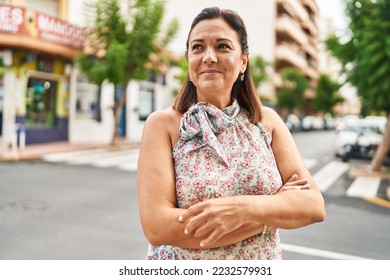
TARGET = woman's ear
x,y
245,59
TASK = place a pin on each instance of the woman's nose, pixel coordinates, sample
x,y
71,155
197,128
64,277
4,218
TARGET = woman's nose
x,y
210,56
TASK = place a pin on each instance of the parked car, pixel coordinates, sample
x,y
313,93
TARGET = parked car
x,y
293,122
356,138
378,122
312,123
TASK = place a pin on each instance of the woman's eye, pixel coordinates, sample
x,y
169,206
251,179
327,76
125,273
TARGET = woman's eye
x,y
196,47
223,46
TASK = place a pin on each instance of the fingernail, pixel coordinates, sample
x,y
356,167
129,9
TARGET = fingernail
x,y
306,186
185,231
180,219
201,244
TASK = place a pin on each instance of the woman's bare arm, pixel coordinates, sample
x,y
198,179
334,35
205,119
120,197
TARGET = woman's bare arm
x,y
213,219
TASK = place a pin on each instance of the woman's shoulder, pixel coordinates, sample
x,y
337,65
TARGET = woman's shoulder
x,y
168,116
270,118
163,123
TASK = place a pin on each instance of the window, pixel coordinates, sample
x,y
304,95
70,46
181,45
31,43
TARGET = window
x,y
146,100
40,102
87,101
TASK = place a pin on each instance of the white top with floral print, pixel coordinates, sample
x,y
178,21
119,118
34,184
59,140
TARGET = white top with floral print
x,y
220,153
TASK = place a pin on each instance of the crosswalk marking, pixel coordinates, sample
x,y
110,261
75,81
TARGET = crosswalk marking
x,y
326,176
100,157
320,253
364,186
116,159
92,158
129,166
61,157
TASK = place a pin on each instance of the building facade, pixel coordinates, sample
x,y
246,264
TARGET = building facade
x,y
37,48
42,93
296,42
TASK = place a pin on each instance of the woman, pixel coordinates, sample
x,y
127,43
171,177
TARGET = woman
x,y
218,173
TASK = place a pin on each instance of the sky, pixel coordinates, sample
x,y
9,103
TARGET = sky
x,y
333,9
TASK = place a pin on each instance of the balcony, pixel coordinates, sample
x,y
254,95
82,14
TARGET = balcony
x,y
287,54
310,49
311,5
294,8
311,27
287,25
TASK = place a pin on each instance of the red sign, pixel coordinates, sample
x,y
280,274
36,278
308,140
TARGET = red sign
x,y
20,20
12,19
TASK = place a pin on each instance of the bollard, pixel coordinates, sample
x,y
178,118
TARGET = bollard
x,y
22,139
21,131
14,142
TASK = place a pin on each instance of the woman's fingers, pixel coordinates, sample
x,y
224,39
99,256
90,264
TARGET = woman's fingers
x,y
191,211
303,181
296,184
294,177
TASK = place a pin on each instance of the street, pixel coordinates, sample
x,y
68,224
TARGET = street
x,y
79,211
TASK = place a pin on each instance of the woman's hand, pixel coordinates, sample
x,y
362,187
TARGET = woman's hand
x,y
211,219
295,184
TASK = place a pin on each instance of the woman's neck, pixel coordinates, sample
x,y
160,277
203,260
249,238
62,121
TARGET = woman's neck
x,y
217,101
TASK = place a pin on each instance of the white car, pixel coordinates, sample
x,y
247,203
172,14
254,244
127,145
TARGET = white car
x,y
293,122
312,123
357,138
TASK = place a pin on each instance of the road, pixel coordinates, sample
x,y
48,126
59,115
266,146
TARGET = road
x,y
79,211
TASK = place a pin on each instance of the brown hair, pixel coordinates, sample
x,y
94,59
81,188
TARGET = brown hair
x,y
244,91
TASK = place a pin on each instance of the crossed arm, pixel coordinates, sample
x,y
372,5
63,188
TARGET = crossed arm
x,y
219,222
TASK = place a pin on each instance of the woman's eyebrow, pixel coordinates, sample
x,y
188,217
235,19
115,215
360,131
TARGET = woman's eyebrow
x,y
218,40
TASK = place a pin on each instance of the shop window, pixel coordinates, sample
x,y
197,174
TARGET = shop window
x,y
146,100
88,101
45,64
40,103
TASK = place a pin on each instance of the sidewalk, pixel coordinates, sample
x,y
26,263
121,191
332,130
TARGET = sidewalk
x,y
36,151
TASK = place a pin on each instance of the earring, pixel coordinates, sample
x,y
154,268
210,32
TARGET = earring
x,y
242,77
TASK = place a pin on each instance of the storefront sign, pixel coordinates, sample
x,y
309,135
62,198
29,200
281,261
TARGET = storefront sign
x,y
20,20
56,30
11,19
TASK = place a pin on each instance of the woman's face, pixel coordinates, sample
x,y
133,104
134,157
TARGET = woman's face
x,y
215,59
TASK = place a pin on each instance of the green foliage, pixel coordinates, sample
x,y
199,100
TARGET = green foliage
x,y
258,70
183,65
327,95
365,52
120,42
291,95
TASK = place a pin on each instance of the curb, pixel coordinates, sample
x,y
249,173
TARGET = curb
x,y
365,170
36,153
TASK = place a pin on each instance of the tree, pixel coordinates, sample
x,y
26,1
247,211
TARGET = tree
x,y
258,70
259,74
327,95
364,53
123,43
291,95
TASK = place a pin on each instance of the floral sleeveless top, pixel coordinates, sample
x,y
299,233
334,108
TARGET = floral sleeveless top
x,y
220,153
